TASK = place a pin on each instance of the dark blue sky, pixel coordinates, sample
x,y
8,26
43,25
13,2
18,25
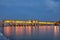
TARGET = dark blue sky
x,y
44,10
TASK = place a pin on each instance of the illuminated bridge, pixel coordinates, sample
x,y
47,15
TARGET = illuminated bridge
x,y
26,22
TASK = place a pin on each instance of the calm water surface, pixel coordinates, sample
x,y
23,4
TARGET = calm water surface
x,y
31,32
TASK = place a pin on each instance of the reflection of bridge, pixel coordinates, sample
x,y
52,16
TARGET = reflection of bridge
x,y
27,22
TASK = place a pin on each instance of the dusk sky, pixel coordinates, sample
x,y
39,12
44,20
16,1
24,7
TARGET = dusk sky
x,y
44,10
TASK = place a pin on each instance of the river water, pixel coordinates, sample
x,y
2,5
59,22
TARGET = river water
x,y
31,32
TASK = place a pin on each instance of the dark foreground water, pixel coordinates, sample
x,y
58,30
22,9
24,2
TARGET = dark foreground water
x,y
31,32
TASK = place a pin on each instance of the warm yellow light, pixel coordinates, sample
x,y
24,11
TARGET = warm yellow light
x,y
28,22
33,21
42,22
20,21
6,21
46,22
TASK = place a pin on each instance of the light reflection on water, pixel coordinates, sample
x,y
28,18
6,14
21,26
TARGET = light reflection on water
x,y
56,32
32,32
